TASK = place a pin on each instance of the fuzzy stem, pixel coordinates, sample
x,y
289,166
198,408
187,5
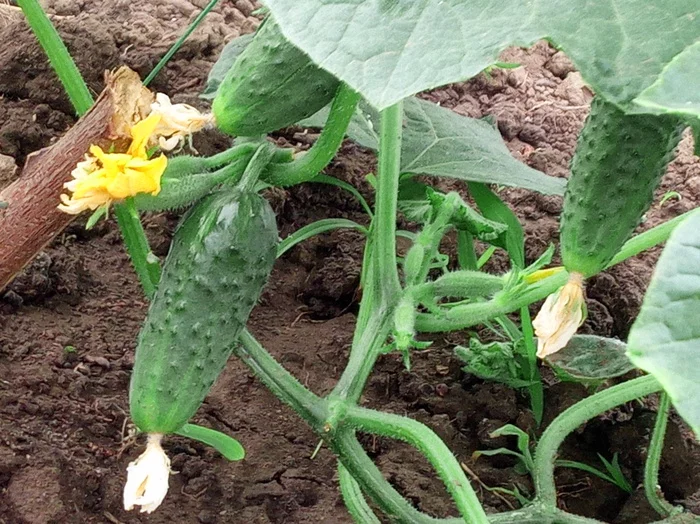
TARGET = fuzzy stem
x,y
651,467
571,419
430,445
308,165
58,55
144,261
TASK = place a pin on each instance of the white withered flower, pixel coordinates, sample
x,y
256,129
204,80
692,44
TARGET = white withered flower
x,y
147,477
560,317
178,121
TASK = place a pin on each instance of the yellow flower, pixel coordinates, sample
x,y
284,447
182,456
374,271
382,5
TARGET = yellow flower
x,y
560,317
105,177
178,121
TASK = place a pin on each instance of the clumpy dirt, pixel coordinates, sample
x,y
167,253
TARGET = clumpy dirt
x,y
68,324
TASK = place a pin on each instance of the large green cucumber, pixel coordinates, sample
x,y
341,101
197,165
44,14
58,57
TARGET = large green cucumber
x,y
618,164
271,85
219,261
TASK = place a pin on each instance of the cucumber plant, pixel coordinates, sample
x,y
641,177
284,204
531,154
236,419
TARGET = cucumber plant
x,y
298,63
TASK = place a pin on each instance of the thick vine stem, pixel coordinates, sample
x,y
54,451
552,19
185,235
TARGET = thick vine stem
x,y
572,418
286,387
354,499
431,446
308,165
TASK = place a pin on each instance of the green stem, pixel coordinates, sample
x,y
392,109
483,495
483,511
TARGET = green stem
x,y
382,281
651,468
430,445
286,387
310,164
384,225
144,261
260,160
536,389
174,48
345,445
467,315
466,255
571,419
58,55
366,348
354,499
654,236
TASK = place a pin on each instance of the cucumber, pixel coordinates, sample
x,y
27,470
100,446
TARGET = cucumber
x,y
271,85
220,258
618,164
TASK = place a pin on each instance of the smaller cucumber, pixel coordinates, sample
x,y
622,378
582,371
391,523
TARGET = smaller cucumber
x,y
618,164
272,84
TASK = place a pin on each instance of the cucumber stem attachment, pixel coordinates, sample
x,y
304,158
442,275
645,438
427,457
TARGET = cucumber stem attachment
x,y
308,165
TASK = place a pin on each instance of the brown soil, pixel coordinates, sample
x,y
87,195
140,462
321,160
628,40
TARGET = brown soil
x,y
68,324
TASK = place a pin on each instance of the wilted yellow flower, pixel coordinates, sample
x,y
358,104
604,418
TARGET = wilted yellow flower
x,y
147,477
105,177
178,121
560,317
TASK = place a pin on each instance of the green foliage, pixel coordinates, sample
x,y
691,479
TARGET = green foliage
x,y
672,91
432,134
590,358
613,473
229,447
526,463
496,361
390,50
493,208
664,339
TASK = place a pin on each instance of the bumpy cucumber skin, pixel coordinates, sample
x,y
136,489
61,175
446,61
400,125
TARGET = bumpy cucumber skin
x,y
219,261
272,85
619,161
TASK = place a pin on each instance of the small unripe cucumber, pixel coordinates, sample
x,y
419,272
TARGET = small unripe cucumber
x,y
272,84
220,258
618,164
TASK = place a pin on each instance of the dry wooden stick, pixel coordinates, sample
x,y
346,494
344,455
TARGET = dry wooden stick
x,y
30,219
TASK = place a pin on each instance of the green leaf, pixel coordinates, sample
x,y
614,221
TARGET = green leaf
x,y
228,56
493,208
695,126
592,358
229,447
671,93
494,361
388,50
419,203
439,142
665,338
95,217
316,228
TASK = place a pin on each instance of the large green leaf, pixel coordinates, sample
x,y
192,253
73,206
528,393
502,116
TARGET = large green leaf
x,y
671,92
665,338
439,142
390,49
